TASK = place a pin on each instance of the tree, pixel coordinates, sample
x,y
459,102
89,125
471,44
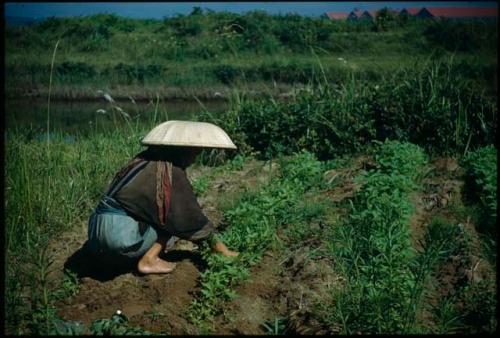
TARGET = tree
x,y
383,18
196,11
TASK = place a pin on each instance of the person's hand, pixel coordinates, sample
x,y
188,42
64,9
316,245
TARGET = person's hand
x,y
229,253
222,248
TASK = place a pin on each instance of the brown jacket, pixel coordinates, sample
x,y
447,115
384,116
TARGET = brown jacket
x,y
161,195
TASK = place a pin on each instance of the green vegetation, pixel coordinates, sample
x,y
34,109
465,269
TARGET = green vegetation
x,y
46,193
209,49
389,282
116,326
434,108
430,90
277,327
470,307
251,229
373,249
200,185
481,171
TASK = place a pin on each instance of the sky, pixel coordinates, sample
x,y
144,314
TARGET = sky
x,y
159,10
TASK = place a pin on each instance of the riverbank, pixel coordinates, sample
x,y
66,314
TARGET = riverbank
x,y
145,93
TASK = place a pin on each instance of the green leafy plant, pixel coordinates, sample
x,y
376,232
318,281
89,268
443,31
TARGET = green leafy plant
x,y
374,250
251,229
70,286
115,326
201,185
154,314
277,327
481,172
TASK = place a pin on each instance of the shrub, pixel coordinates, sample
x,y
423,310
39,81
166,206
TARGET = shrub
x,y
404,159
288,72
137,72
481,175
75,70
183,26
452,35
226,73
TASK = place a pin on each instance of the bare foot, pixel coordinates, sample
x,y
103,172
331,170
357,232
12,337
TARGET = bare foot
x,y
155,265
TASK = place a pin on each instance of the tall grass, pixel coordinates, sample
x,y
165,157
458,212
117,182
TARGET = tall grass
x,y
433,106
80,175
222,48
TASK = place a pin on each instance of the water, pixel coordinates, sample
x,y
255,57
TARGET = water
x,y
82,117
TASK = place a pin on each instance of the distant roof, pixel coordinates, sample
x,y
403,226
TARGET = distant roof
x,y
373,13
358,12
337,15
463,12
447,12
413,11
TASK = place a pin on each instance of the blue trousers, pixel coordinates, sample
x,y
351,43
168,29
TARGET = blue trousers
x,y
112,232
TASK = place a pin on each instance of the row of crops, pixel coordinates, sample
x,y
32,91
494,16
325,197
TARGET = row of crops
x,y
373,247
387,280
252,225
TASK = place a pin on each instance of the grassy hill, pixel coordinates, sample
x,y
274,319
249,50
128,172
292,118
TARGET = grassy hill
x,y
207,52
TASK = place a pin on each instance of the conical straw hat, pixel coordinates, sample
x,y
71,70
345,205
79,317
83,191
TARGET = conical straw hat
x,y
190,134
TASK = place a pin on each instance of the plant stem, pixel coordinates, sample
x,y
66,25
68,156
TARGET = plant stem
x,y
48,125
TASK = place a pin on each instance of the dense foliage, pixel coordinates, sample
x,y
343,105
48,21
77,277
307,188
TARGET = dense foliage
x,y
229,48
482,171
425,85
435,108
373,248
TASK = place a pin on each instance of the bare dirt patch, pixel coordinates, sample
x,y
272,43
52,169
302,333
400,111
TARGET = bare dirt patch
x,y
104,290
258,300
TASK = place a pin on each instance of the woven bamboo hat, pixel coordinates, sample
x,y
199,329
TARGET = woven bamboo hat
x,y
190,134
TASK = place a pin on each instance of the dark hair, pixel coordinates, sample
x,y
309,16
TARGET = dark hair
x,y
177,155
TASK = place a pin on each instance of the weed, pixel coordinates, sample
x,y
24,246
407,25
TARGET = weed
x,y
154,314
276,327
237,163
70,286
404,159
200,185
116,326
448,317
481,183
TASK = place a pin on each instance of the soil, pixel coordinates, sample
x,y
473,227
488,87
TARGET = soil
x,y
280,286
158,303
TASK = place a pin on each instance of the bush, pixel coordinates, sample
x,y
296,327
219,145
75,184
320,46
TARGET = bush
x,y
405,159
481,180
183,26
288,72
75,70
138,72
453,35
226,73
